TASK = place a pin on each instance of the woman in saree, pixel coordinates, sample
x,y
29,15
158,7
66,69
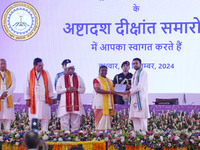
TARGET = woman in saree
x,y
103,103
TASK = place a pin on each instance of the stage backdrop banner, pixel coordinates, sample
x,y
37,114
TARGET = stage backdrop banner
x,y
164,34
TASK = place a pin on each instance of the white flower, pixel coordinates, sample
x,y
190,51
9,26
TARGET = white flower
x,y
120,132
27,127
143,133
99,139
17,143
191,140
60,139
133,134
1,138
159,144
161,138
169,144
176,138
68,132
151,137
54,139
114,140
55,133
77,139
122,139
17,136
106,139
13,131
158,131
45,137
101,132
81,131
169,136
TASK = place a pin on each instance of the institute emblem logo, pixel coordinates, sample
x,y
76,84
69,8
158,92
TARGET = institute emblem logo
x,y
20,21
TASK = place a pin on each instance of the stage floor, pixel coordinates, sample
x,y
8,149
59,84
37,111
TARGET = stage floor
x,y
125,108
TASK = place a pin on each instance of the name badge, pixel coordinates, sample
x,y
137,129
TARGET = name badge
x,y
37,86
3,83
135,105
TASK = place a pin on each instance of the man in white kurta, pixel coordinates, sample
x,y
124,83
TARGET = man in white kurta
x,y
42,109
139,113
6,112
70,118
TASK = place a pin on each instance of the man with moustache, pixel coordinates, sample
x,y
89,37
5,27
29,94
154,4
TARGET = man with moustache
x,y
39,93
139,108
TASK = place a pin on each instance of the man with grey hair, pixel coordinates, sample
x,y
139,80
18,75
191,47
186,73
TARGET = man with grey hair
x,y
7,86
70,109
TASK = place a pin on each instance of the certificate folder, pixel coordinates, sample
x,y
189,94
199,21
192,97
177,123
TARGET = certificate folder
x,y
120,88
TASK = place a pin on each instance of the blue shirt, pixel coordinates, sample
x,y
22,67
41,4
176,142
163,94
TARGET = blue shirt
x,y
58,76
56,80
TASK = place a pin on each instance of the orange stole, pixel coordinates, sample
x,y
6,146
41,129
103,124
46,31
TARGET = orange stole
x,y
8,84
32,87
68,95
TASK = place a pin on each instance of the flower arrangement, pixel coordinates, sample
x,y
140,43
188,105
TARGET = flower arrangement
x,y
170,130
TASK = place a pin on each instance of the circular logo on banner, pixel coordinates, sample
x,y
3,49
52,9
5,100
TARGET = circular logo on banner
x,y
20,21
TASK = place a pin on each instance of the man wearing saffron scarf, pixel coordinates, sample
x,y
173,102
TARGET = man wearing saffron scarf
x,y
139,108
38,93
7,82
103,103
70,110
